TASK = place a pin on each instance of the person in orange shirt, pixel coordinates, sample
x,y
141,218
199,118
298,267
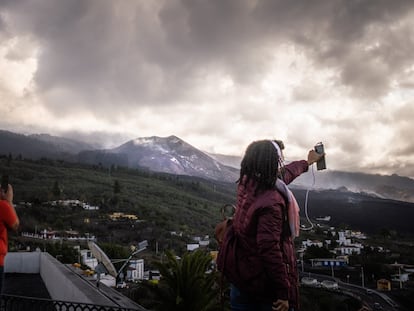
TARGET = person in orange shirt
x,y
8,220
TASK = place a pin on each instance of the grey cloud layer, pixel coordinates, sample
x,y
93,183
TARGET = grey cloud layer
x,y
141,52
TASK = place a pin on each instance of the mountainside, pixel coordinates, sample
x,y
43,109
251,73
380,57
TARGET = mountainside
x,y
357,210
63,144
175,156
171,203
40,145
161,201
232,161
389,187
104,158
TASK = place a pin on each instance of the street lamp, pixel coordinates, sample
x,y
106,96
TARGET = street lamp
x,y
399,276
141,247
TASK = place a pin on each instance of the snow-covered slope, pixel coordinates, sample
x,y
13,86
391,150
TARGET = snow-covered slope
x,y
175,156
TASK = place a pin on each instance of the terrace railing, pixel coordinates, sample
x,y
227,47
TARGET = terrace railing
x,y
21,303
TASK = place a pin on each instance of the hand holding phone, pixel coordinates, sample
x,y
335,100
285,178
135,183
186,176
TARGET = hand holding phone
x,y
321,164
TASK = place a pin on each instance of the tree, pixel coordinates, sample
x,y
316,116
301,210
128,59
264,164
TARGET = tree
x,y
385,233
9,159
117,187
185,284
317,252
334,243
56,190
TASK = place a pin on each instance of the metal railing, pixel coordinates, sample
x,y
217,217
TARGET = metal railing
x,y
20,303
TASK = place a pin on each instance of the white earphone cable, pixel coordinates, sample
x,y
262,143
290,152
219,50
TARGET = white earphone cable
x,y
306,204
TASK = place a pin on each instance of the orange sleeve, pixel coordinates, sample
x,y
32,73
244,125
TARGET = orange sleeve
x,y
7,214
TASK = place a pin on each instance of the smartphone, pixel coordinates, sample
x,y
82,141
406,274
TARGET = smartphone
x,y
5,183
321,164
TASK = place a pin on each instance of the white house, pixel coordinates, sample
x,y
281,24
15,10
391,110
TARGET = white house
x,y
342,239
135,270
191,247
325,218
348,250
309,243
204,243
88,207
358,235
329,262
88,259
346,247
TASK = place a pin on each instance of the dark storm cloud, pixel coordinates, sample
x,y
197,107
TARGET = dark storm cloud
x,y
147,52
2,24
337,34
123,53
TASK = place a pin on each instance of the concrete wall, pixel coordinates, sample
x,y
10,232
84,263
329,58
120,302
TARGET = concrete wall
x,y
24,262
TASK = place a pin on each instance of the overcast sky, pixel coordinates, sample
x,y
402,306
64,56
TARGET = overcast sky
x,y
216,73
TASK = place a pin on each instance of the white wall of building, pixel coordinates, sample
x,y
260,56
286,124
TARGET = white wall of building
x,y
135,270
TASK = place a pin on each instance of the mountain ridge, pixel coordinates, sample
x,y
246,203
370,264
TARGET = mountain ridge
x,y
173,155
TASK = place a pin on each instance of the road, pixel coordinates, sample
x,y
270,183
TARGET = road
x,y
369,297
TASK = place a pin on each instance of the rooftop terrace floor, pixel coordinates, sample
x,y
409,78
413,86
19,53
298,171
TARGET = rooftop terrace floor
x,y
25,284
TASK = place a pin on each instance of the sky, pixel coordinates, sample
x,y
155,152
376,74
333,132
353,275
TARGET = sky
x,y
219,74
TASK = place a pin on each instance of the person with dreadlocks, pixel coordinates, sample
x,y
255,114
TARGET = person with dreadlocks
x,y
261,265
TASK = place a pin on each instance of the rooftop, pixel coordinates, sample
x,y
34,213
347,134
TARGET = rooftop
x,y
36,277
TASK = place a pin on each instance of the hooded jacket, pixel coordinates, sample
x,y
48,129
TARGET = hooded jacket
x,y
264,252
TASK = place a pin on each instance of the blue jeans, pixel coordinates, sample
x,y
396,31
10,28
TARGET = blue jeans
x,y
240,301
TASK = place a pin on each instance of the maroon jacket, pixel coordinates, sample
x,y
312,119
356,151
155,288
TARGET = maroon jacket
x,y
265,250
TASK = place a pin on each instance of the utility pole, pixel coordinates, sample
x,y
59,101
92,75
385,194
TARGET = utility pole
x,y
301,257
362,276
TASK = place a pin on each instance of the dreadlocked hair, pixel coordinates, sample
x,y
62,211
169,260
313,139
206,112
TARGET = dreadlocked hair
x,y
260,164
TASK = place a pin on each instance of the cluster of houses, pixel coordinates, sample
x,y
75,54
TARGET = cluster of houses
x,y
67,235
134,271
72,235
73,203
346,242
199,242
345,245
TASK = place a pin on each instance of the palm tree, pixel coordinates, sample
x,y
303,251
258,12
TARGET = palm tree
x,y
186,284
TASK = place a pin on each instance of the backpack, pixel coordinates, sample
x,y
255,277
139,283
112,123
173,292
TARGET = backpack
x,y
222,227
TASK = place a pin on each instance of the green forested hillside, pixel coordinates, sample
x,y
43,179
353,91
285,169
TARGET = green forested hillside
x,y
162,202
